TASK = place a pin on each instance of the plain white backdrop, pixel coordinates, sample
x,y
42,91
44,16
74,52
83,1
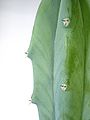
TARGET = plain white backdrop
x,y
16,74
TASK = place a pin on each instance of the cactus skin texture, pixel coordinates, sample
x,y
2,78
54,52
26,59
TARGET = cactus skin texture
x,y
60,53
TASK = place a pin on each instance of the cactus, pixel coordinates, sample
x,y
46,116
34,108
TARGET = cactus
x,y
57,50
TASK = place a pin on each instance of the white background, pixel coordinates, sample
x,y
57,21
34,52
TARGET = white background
x,y
16,74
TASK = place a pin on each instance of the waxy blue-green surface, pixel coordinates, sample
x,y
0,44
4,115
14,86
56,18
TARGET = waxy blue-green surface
x,y
61,55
